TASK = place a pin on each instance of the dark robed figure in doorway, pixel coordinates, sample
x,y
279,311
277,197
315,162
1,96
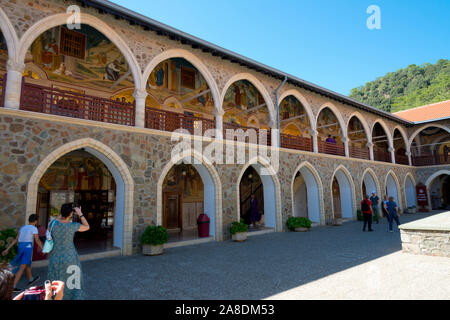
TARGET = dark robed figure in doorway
x,y
255,216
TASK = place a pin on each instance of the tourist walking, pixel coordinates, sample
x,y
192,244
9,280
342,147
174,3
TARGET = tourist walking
x,y
255,216
375,200
384,207
22,262
64,262
393,213
366,209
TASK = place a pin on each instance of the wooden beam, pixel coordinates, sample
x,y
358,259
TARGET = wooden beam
x,y
196,96
254,108
328,125
293,118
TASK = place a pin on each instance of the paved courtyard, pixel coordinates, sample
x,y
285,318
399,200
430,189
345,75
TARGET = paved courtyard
x,y
325,263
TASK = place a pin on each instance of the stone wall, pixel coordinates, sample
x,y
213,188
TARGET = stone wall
x,y
27,138
431,243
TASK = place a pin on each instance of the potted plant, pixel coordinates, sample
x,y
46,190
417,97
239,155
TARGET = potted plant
x,y
238,231
298,224
6,237
153,240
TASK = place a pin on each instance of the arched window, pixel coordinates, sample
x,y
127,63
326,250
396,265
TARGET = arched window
x,y
330,133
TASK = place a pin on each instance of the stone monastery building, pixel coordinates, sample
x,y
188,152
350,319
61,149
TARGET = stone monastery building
x,y
87,115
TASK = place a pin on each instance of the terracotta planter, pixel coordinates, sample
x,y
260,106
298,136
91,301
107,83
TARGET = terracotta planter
x,y
301,229
239,237
149,250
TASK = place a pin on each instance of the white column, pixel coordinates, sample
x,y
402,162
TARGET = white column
x,y
314,134
346,141
408,154
13,86
392,151
140,95
370,146
219,125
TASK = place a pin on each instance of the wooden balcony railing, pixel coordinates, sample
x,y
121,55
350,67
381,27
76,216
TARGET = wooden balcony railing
x,y
381,155
331,148
75,105
170,121
430,160
297,143
247,130
401,159
360,153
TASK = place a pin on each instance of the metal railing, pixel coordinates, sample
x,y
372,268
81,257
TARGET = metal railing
x,y
54,101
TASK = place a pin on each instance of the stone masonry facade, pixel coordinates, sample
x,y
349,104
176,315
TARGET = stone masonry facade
x,y
431,243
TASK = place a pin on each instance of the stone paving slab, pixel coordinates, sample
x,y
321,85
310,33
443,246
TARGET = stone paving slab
x,y
272,264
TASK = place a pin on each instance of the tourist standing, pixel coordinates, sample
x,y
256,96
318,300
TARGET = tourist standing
x,y
22,262
375,200
366,209
392,209
64,261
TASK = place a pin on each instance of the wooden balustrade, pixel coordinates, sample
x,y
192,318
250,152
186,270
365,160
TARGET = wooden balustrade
x,y
401,159
260,139
170,121
360,153
75,105
336,149
295,142
430,160
381,155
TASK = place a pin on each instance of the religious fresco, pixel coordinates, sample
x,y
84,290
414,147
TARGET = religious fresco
x,y
432,139
176,83
356,133
186,180
77,171
84,57
3,53
293,118
327,124
244,105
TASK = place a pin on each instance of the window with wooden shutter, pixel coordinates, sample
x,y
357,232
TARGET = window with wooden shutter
x,y
73,43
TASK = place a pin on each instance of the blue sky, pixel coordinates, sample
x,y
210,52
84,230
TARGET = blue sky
x,y
325,42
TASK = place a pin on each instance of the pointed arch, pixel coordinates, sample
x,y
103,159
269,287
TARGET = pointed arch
x,y
61,19
386,130
212,189
123,227
196,62
315,199
347,185
259,86
304,102
372,174
415,133
363,123
12,41
389,187
410,190
337,114
272,193
403,134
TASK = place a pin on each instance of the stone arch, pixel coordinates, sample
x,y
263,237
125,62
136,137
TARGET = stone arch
x,y
12,41
123,227
347,187
403,134
431,179
337,114
195,61
363,123
304,102
60,19
314,190
272,194
411,138
410,191
259,86
212,189
373,184
386,130
389,185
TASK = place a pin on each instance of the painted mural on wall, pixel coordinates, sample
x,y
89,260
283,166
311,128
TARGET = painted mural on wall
x,y
244,105
327,124
186,180
176,84
84,57
77,172
432,140
3,53
293,118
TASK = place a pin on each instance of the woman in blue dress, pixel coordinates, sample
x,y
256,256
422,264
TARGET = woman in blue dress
x,y
64,263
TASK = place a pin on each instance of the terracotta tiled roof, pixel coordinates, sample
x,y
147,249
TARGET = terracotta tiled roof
x,y
429,112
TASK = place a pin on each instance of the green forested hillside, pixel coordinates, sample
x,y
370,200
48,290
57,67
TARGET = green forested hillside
x,y
407,88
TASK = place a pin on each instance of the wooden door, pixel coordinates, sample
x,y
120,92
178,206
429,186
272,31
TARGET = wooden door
x,y
172,211
336,200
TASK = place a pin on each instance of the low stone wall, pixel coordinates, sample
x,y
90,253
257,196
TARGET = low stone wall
x,y
426,242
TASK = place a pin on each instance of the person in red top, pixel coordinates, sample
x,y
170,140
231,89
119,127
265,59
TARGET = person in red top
x,y
366,209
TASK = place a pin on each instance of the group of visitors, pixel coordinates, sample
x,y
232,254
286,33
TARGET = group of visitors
x,y
63,262
331,139
370,210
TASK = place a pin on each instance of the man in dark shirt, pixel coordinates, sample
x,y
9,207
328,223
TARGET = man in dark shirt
x,y
366,209
375,200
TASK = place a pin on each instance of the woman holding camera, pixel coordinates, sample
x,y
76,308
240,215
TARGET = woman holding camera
x,y
64,263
